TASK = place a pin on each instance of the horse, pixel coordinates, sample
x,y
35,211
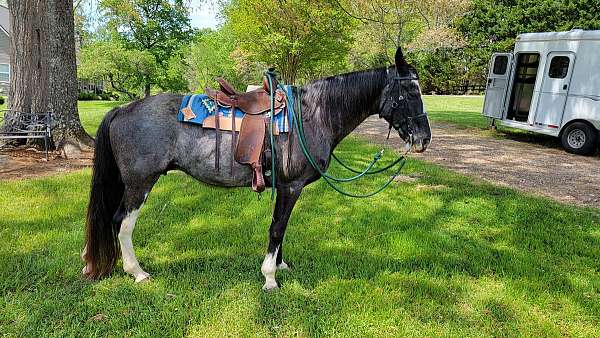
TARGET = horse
x,y
139,142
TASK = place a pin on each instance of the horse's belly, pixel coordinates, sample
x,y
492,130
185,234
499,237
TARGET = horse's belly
x,y
196,157
240,177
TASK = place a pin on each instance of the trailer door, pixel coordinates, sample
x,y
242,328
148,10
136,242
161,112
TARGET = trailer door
x,y
497,84
555,87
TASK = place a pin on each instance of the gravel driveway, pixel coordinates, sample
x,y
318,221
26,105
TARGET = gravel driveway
x,y
527,166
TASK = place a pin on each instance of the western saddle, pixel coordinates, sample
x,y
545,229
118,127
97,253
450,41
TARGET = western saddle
x,y
248,147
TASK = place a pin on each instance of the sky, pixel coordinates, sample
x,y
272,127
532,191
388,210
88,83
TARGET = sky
x,y
202,14
203,17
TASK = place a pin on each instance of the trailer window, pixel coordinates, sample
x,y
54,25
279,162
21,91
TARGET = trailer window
x,y
559,67
500,64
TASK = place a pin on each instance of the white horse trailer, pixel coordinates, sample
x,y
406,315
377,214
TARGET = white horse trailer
x,y
550,84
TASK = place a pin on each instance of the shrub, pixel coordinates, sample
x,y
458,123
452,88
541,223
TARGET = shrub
x,y
85,96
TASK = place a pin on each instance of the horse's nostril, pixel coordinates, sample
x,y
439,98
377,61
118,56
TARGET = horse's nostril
x,y
426,141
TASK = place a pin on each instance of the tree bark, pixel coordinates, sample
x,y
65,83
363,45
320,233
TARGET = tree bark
x,y
22,13
147,87
39,55
43,68
68,133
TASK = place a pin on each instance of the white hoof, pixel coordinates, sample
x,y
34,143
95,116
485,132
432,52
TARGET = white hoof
x,y
270,286
283,266
142,277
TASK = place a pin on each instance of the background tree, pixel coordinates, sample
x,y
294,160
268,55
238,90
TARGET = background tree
x,y
423,28
298,37
43,68
68,133
27,54
213,54
492,25
159,27
124,71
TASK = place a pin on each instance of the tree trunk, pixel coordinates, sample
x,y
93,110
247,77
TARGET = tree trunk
x,y
147,88
22,13
68,133
43,68
39,55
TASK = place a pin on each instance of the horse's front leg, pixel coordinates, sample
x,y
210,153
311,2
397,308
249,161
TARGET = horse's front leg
x,y
286,199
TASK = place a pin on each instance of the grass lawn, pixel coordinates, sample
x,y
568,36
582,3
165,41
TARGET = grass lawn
x,y
463,111
91,113
444,255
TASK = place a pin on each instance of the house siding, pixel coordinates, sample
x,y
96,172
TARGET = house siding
x,y
4,44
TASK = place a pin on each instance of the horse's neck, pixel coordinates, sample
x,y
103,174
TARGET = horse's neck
x,y
335,107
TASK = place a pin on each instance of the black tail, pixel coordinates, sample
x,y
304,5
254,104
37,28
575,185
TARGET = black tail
x,y
102,249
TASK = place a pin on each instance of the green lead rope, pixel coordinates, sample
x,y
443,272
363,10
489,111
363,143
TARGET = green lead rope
x,y
368,172
270,74
302,141
298,124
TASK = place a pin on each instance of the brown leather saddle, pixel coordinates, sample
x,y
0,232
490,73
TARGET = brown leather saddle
x,y
248,147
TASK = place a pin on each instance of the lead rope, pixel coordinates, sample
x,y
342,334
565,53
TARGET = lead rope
x,y
300,132
298,124
270,74
377,157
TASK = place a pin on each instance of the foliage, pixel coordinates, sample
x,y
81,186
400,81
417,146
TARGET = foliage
x,y
215,54
422,28
445,255
124,70
88,96
84,96
301,38
157,27
492,25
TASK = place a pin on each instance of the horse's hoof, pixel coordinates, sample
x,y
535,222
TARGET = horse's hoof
x,y
142,278
85,271
283,266
270,287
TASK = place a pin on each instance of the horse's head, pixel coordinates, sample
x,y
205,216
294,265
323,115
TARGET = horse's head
x,y
402,107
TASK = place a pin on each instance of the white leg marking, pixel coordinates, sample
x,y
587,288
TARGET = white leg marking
x,y
83,253
283,266
130,262
268,269
86,268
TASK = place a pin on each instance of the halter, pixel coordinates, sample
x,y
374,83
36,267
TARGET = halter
x,y
400,106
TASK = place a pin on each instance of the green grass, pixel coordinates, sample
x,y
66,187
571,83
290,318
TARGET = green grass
x,y
462,111
91,113
444,255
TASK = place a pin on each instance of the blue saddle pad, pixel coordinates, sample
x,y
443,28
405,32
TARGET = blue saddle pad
x,y
203,107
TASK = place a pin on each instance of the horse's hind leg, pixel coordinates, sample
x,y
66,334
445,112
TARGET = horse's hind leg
x,y
126,216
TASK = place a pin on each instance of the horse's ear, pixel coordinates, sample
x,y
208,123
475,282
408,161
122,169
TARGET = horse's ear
x,y
399,58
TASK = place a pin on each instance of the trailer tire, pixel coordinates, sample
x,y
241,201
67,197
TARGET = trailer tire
x,y
579,138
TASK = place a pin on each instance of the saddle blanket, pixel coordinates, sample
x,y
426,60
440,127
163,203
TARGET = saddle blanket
x,y
203,113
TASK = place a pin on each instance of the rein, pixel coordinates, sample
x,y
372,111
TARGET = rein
x,y
299,127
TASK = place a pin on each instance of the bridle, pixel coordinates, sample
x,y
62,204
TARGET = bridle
x,y
400,107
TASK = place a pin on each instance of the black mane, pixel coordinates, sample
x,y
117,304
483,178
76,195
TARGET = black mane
x,y
344,101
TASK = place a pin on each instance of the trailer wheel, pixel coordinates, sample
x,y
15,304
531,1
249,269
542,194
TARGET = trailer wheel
x,y
580,138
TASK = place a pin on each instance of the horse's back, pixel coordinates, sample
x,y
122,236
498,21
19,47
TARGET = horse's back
x,y
148,140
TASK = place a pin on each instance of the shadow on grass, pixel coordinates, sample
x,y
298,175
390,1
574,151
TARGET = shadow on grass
x,y
443,253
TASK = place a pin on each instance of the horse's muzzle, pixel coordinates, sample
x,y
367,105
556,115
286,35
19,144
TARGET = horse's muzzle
x,y
421,145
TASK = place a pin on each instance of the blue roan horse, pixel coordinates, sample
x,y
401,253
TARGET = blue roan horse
x,y
138,143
